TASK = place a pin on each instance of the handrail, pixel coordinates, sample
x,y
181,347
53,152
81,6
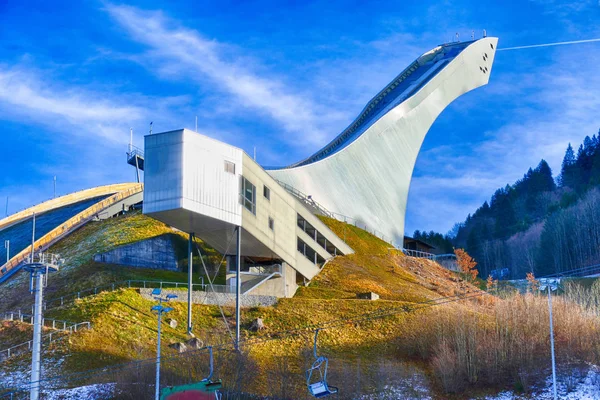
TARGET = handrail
x,y
304,197
21,317
130,283
75,221
61,334
135,151
340,217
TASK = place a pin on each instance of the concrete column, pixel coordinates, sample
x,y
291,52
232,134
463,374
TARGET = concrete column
x,y
190,262
36,354
238,287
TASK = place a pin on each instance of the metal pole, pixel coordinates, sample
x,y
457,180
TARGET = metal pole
x,y
157,392
190,255
38,286
54,187
238,287
552,343
7,245
33,238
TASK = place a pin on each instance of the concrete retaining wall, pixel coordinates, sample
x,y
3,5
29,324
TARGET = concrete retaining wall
x,y
156,253
222,299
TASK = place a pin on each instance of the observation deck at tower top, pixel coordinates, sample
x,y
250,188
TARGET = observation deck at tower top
x,y
407,83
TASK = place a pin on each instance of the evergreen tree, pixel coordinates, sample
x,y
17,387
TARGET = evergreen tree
x,y
567,173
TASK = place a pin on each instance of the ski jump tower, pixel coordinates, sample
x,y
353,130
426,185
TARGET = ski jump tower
x,y
365,172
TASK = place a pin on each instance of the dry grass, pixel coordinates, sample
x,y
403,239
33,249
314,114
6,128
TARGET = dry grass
x,y
464,346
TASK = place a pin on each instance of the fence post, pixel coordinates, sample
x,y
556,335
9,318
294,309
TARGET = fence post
x,y
78,296
113,287
62,302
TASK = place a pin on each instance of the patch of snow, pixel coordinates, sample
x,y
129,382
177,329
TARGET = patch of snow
x,y
412,388
103,391
585,388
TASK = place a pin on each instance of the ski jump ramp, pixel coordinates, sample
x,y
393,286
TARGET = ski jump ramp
x,y
365,172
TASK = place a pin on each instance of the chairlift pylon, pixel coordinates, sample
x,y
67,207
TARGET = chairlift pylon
x,y
317,384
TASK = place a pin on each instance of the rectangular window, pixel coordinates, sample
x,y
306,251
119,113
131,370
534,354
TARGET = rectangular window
x,y
248,195
230,167
271,224
267,193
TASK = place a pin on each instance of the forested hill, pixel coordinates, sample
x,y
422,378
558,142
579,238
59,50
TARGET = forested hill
x,y
539,223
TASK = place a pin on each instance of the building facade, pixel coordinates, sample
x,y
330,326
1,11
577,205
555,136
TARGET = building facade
x,y
209,188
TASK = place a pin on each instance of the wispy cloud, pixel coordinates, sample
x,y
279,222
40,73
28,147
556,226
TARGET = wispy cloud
x,y
24,93
180,52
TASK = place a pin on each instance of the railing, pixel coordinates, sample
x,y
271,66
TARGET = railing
x,y
418,254
134,152
305,198
62,201
340,217
359,224
58,232
43,258
262,269
57,324
49,338
430,256
132,283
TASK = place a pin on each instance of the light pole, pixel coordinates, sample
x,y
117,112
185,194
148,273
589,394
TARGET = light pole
x,y
7,247
160,310
551,285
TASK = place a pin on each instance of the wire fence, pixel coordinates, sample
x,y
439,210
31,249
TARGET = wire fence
x,y
131,283
46,339
56,324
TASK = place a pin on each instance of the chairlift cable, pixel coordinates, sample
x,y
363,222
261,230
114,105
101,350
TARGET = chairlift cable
x,y
210,282
288,333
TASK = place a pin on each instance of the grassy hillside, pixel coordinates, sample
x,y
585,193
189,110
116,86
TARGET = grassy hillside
x,y
80,272
124,329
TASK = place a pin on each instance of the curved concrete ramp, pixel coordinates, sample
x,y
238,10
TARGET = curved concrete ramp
x,y
63,201
365,172
111,199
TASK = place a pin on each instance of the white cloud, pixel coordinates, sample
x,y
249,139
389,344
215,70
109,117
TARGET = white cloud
x,y
183,53
24,94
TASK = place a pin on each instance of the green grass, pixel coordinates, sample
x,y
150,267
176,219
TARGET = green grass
x,y
80,272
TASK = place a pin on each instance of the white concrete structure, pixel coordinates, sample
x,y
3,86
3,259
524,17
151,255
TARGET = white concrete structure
x,y
202,186
365,172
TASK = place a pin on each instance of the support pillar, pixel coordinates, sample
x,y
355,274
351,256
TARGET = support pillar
x,y
37,283
190,262
238,287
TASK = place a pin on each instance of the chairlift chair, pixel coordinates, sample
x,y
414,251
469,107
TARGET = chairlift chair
x,y
208,382
316,375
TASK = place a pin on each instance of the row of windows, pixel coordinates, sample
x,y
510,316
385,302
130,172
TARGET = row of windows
x,y
248,198
309,252
316,235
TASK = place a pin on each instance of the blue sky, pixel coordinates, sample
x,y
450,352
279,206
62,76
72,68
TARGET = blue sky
x,y
285,77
